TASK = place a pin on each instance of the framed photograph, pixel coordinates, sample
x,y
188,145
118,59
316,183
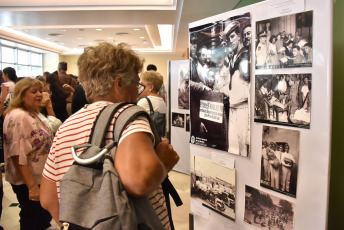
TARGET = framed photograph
x,y
265,211
285,42
213,185
183,86
283,99
280,159
220,84
178,120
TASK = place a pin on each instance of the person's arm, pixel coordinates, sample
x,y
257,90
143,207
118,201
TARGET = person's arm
x,y
48,104
71,90
4,93
26,175
141,168
49,200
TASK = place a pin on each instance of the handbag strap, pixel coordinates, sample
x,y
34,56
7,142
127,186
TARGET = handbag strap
x,y
151,110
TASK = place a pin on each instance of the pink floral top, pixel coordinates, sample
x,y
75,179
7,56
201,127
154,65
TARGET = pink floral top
x,y
26,136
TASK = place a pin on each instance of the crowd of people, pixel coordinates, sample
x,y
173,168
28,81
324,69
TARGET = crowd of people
x,y
290,92
282,50
277,163
37,114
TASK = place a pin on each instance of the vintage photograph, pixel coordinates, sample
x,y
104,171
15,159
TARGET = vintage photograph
x,y
265,211
187,124
183,86
283,99
279,162
213,185
220,84
178,120
285,42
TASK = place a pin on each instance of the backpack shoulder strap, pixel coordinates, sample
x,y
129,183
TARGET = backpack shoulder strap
x,y
102,123
151,110
129,115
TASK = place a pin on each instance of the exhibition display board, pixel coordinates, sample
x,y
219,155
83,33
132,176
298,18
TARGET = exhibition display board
x,y
260,113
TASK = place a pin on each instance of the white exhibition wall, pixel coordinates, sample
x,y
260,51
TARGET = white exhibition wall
x,y
311,202
179,136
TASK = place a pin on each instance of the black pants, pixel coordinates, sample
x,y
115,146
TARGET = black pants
x,y
32,215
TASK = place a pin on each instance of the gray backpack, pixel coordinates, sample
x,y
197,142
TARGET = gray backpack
x,y
91,193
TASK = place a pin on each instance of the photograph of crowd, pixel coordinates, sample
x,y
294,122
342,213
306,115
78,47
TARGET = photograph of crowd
x,y
285,42
183,86
220,84
213,185
279,162
178,120
265,211
283,99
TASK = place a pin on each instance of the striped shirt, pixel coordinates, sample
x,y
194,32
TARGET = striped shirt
x,y
76,130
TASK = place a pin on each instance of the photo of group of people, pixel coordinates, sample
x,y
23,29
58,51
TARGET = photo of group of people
x,y
279,161
283,99
265,211
220,84
213,185
285,42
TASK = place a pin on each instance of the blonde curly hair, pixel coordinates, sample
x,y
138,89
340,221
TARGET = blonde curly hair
x,y
100,65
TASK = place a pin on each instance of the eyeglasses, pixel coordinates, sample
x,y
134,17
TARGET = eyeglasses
x,y
140,87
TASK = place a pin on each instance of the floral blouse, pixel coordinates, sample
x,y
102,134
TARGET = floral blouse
x,y
26,136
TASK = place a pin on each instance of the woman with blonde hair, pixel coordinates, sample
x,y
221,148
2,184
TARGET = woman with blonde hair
x,y
151,101
27,141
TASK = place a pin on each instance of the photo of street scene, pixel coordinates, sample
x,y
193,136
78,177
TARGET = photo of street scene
x,y
213,185
265,211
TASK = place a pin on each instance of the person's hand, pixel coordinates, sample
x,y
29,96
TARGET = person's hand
x,y
68,87
45,99
34,193
202,128
166,154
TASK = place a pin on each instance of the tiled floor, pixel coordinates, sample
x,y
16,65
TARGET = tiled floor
x,y
10,215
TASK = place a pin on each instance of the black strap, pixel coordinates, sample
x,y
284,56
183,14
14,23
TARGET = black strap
x,y
150,105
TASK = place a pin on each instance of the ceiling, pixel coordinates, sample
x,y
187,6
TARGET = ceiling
x,y
66,27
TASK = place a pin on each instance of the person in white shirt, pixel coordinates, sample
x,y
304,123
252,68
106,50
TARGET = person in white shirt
x,y
287,161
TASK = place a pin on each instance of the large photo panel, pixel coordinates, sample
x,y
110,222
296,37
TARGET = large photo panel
x,y
220,84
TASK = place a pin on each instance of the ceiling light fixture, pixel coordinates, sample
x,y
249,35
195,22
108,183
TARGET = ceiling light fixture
x,y
55,34
136,29
142,37
122,34
99,29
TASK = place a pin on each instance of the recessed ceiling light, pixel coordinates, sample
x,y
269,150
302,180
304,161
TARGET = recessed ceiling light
x,y
55,34
63,30
99,29
122,34
79,38
142,37
110,38
137,29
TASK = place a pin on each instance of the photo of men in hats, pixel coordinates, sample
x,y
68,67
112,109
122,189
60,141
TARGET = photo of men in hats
x,y
220,84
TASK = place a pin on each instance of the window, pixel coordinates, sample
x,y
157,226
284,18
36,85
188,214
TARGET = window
x,y
25,62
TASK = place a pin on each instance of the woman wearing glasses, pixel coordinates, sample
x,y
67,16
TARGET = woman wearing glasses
x,y
151,101
109,74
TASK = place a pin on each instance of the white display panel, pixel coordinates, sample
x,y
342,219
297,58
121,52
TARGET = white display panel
x,y
311,202
178,72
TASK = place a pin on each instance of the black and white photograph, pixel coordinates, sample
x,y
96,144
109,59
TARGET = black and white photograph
x,y
285,42
183,86
213,185
280,159
220,84
265,211
187,122
283,99
178,120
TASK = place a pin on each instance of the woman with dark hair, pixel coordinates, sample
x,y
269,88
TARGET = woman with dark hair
x,y
273,60
10,78
59,97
